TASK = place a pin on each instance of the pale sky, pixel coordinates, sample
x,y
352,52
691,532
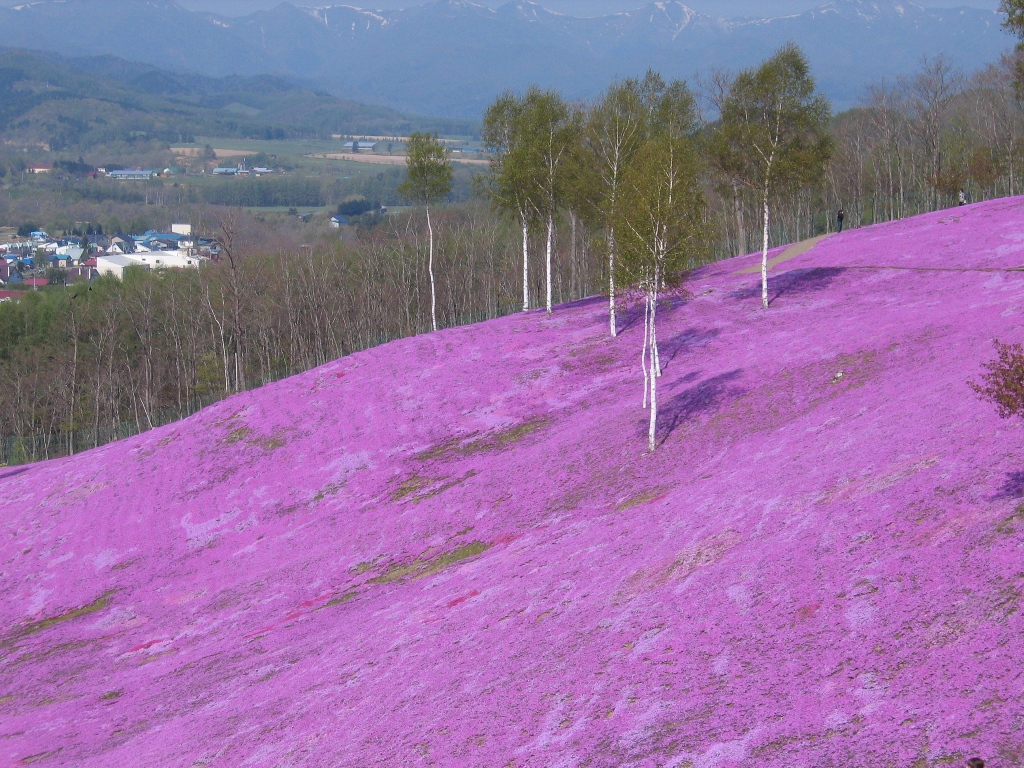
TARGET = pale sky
x,y
721,8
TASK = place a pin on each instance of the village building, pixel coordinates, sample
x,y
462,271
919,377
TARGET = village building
x,y
115,264
135,174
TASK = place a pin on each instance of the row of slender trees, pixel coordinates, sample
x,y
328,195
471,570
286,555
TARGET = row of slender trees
x,y
636,165
619,196
765,144
747,152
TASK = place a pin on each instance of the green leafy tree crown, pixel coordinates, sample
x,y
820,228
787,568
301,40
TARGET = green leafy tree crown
x,y
429,178
774,129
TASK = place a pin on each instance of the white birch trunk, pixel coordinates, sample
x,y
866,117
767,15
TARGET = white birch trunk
x,y
526,265
653,378
656,357
764,256
611,282
430,269
551,230
223,344
643,351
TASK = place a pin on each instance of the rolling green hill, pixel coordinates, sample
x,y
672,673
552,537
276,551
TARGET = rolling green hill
x,y
78,104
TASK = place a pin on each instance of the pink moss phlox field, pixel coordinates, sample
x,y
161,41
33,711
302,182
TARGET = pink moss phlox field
x,y
453,550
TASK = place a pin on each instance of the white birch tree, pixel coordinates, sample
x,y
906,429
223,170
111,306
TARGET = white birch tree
x,y
773,134
510,182
614,132
662,223
428,181
551,133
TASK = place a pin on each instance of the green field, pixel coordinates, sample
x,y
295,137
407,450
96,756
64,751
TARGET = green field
x,y
294,154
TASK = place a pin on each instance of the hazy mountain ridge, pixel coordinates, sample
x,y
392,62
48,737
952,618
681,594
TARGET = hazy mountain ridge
x,y
80,103
452,57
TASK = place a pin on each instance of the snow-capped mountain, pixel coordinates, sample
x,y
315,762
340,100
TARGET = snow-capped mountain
x,y
451,57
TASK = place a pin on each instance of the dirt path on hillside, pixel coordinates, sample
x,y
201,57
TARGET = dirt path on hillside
x,y
797,249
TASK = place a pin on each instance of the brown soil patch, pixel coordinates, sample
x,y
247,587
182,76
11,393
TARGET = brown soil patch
x,y
797,249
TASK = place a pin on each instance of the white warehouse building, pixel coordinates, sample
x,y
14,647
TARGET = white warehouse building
x,y
115,264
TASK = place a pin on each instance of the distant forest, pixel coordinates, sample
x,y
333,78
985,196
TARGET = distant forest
x,y
80,363
132,207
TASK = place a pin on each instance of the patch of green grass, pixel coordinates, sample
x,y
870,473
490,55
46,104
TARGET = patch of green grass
x,y
417,488
420,567
641,498
96,605
41,756
411,485
442,449
328,490
342,599
504,438
271,443
1008,526
237,435
266,442
367,565
110,695
490,441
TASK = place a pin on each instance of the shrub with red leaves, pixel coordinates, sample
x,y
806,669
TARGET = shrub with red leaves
x,y
1003,383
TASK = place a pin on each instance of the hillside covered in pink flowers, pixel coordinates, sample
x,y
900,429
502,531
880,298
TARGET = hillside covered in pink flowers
x,y
454,550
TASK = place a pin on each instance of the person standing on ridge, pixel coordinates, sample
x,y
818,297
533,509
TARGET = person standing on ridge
x,y
962,198
839,220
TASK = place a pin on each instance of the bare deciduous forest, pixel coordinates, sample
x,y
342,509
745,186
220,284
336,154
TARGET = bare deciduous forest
x,y
85,364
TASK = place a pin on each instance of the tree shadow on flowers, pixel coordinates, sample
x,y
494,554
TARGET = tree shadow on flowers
x,y
1012,488
631,308
687,341
629,316
794,282
13,472
700,398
